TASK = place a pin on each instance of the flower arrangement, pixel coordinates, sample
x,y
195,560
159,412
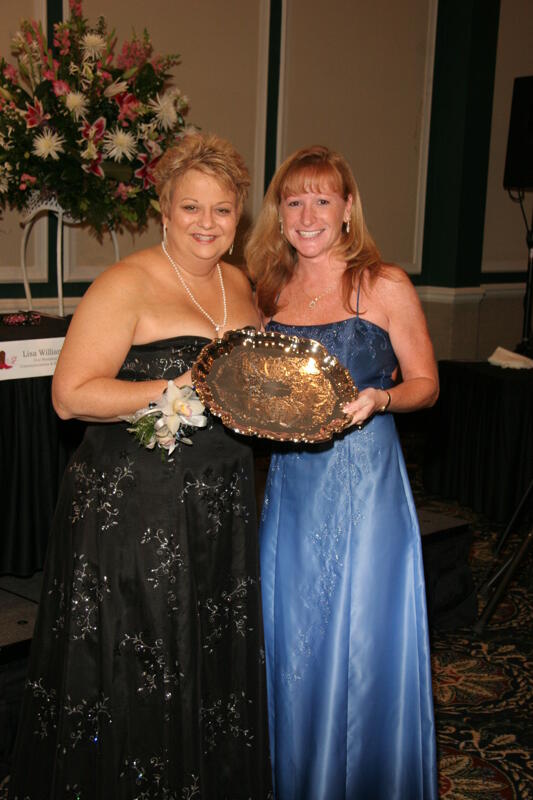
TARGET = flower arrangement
x,y
84,125
162,422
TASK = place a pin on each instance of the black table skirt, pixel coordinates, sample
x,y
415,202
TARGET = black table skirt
x,y
35,446
480,440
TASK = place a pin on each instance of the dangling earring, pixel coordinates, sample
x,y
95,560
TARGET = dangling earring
x,y
281,226
348,225
230,251
165,235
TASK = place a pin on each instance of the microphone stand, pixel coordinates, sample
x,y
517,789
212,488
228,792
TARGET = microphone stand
x,y
525,346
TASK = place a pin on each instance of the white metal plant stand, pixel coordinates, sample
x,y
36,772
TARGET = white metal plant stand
x,y
35,206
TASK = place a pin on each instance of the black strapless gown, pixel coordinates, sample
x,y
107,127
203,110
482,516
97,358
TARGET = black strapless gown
x,y
146,676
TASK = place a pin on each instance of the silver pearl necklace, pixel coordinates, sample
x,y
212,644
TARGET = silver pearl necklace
x,y
215,325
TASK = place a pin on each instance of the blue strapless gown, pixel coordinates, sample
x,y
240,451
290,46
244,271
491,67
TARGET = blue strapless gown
x,y
348,667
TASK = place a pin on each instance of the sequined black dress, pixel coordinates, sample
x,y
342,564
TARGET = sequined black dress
x,y
146,678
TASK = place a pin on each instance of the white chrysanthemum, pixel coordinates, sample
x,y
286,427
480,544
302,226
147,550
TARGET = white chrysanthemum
x,y
48,144
93,45
119,144
117,87
165,110
76,103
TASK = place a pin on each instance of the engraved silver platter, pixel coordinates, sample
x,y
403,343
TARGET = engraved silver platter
x,y
274,386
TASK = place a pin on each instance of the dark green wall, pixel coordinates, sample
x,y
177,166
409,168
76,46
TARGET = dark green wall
x,y
463,81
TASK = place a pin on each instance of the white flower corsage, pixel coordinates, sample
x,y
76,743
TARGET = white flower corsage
x,y
161,422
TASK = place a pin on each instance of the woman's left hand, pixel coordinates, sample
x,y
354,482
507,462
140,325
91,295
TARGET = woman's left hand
x,y
369,402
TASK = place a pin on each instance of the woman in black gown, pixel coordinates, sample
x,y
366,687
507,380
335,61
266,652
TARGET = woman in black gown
x,y
146,674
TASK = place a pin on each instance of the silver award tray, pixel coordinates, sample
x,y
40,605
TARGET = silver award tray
x,y
274,386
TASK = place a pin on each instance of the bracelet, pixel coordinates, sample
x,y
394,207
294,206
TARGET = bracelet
x,y
387,404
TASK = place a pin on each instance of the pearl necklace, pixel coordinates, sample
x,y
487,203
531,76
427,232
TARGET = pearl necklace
x,y
193,298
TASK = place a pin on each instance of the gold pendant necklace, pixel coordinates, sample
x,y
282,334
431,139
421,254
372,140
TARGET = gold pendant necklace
x,y
318,297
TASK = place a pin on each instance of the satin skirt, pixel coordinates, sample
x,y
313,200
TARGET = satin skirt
x,y
348,662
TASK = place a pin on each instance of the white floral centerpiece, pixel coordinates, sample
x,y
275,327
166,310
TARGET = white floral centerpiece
x,y
83,125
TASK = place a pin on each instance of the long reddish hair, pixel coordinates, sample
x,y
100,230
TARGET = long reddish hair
x,y
271,259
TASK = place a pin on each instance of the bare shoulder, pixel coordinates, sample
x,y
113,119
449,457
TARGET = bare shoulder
x,y
393,289
131,269
126,277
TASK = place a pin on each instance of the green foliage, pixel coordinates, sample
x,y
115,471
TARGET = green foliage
x,y
144,429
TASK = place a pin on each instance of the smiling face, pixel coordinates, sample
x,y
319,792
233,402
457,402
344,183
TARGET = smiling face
x,y
202,218
313,214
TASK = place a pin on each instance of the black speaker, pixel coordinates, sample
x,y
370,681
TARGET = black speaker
x,y
519,161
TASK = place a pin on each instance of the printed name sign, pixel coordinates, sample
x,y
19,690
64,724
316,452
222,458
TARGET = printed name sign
x,y
29,358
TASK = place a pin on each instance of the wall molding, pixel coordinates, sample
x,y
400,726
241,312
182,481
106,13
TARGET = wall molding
x,y
504,290
73,270
450,296
36,256
505,266
469,294
427,294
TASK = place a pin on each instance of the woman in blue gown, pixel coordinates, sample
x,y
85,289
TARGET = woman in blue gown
x,y
348,668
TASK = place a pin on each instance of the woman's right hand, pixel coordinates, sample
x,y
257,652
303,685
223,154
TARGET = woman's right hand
x,y
369,402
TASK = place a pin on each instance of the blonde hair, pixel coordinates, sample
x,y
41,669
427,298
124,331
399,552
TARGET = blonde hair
x,y
271,259
207,153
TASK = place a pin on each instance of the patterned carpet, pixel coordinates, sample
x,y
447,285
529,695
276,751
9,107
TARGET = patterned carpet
x,y
483,684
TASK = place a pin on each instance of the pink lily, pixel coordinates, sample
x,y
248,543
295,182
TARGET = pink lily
x,y
94,132
35,115
94,167
145,173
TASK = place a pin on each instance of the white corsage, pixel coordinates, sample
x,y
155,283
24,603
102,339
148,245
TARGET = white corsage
x,y
161,422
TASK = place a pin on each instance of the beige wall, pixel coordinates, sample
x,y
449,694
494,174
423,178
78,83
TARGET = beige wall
x,y
504,247
358,79
222,55
10,230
